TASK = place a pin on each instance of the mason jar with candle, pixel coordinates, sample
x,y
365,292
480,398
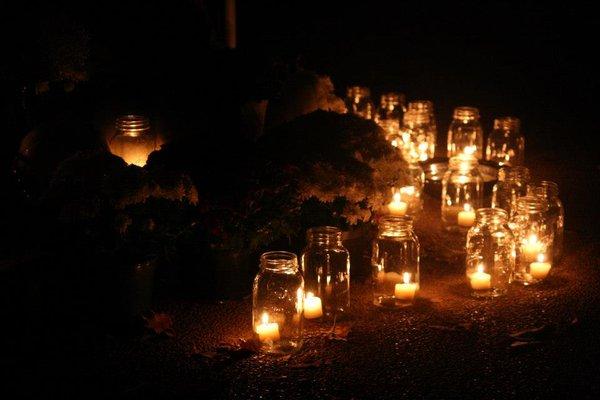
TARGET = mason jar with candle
x,y
548,190
512,184
389,114
506,144
134,140
462,193
395,262
358,101
326,268
534,235
490,261
465,135
278,303
418,136
427,106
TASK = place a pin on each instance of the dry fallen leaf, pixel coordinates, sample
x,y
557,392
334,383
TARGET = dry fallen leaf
x,y
160,324
533,334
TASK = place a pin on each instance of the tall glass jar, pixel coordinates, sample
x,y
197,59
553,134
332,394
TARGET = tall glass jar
x,y
326,268
417,136
358,101
465,135
512,184
395,261
462,193
506,144
548,190
278,302
534,234
133,141
427,106
490,253
390,112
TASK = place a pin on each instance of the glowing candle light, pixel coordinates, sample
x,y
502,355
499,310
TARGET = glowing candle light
x,y
531,248
466,217
405,290
480,280
313,307
397,206
267,331
540,268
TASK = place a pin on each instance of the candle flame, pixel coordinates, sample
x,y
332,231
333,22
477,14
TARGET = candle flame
x,y
467,207
265,318
533,239
328,279
395,143
480,268
470,150
397,197
406,277
409,190
540,258
309,295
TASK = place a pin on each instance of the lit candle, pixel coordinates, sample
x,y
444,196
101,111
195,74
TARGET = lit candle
x,y
328,286
312,306
480,280
531,248
539,269
397,207
470,150
267,331
405,290
466,217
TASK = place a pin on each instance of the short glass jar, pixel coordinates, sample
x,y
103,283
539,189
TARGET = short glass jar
x,y
395,261
465,135
278,303
133,141
418,141
548,190
358,102
326,268
512,184
462,193
534,234
490,253
390,112
506,144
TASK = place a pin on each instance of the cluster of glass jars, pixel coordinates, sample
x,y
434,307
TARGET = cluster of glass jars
x,y
395,263
358,102
284,296
389,114
133,140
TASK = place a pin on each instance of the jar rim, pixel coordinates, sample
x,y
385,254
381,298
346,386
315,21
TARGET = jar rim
x,y
489,214
132,124
279,260
466,113
531,205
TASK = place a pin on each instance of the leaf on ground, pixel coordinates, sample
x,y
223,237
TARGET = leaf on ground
x,y
520,345
227,352
533,334
340,332
160,324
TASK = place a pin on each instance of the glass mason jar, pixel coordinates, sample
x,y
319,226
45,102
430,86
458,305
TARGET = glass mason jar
x,y
490,253
326,268
133,141
465,134
462,193
512,184
358,101
534,235
506,144
390,112
418,141
426,106
548,190
278,302
395,261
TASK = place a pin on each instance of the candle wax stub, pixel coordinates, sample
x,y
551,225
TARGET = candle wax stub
x,y
531,248
480,280
313,307
405,290
466,217
397,207
267,331
539,269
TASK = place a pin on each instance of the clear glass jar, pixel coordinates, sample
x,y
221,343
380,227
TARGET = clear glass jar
x,y
490,253
512,184
390,112
278,302
534,235
326,268
462,193
133,141
395,261
426,106
358,101
418,142
465,135
506,144
548,190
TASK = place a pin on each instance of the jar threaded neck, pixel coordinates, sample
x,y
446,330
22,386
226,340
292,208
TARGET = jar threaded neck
x,y
531,205
390,225
512,124
491,215
132,125
280,261
466,114
324,235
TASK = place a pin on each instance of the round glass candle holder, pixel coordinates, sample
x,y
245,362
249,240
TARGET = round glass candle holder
x,y
534,234
427,106
548,191
465,135
358,102
491,255
395,262
506,144
326,268
512,184
134,140
278,303
462,193
417,135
